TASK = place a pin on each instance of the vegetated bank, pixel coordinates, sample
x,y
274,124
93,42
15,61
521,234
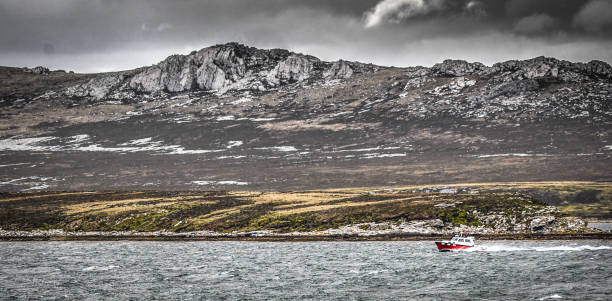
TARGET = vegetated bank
x,y
358,213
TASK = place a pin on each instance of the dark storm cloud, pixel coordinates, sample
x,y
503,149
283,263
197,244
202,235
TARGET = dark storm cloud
x,y
119,34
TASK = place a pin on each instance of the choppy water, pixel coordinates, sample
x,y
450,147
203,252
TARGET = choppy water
x,y
498,270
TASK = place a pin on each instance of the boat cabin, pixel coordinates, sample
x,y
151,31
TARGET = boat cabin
x,y
461,240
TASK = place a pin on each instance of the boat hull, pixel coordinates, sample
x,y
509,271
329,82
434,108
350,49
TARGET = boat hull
x,y
444,246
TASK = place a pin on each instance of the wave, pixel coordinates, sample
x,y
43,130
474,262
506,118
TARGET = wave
x,y
555,296
504,248
99,268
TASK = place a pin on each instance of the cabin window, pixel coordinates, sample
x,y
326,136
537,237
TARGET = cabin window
x,y
461,240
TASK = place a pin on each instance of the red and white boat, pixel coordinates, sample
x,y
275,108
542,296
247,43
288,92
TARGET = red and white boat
x,y
458,242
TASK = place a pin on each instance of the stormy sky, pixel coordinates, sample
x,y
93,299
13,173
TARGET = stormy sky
x,y
105,35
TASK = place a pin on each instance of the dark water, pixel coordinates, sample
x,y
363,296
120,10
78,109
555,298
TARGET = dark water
x,y
498,270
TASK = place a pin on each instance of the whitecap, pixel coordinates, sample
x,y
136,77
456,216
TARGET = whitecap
x,y
555,296
284,148
99,268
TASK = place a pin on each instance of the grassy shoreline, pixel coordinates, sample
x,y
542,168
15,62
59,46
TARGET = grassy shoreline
x,y
482,208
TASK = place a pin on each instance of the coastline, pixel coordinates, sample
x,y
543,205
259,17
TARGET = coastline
x,y
272,237
337,215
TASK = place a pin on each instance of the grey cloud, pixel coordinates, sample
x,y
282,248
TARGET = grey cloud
x,y
535,24
104,35
595,15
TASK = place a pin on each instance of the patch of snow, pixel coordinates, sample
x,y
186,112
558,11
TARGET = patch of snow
x,y
179,150
34,180
608,147
202,183
241,100
38,187
13,181
77,139
230,157
513,155
369,103
234,143
143,141
206,183
279,148
591,154
367,149
75,143
377,155
340,113
261,119
14,164
226,118
232,183
28,144
448,190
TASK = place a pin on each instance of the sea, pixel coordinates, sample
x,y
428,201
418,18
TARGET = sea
x,y
238,270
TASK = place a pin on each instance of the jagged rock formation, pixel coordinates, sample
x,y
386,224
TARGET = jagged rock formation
x,y
40,70
339,69
539,88
297,111
221,67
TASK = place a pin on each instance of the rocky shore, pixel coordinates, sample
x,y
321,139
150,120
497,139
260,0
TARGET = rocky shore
x,y
541,228
355,214
52,235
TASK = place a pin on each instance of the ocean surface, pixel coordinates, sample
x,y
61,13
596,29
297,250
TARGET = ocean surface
x,y
496,270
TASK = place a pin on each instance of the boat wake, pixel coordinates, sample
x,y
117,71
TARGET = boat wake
x,y
506,248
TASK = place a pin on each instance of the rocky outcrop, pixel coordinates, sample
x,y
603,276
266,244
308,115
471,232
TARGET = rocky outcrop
x,y
293,69
515,90
546,219
40,70
208,69
339,69
221,67
539,225
453,87
539,67
457,68
98,87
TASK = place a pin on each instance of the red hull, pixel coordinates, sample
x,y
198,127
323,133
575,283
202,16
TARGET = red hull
x,y
447,246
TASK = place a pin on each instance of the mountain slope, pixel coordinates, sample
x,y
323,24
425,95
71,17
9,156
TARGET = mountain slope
x,y
236,116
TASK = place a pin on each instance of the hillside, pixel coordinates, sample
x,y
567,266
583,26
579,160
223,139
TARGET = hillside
x,y
235,117
485,209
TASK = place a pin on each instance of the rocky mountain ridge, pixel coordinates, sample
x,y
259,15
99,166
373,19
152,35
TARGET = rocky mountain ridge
x,y
230,111
224,67
512,91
